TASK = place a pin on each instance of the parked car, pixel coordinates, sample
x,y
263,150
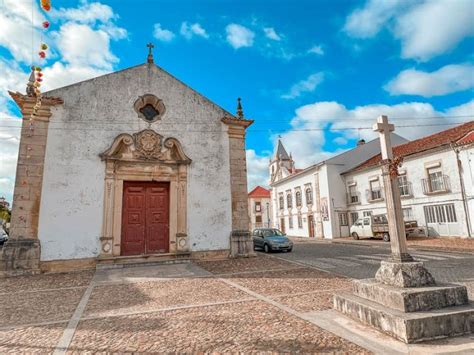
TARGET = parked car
x,y
377,227
3,236
271,239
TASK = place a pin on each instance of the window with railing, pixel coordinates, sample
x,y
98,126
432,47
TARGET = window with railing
x,y
407,213
298,198
354,217
436,182
343,219
404,186
353,195
309,196
281,202
375,192
289,201
300,221
290,222
440,213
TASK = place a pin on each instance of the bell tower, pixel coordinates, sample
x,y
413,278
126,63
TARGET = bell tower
x,y
282,164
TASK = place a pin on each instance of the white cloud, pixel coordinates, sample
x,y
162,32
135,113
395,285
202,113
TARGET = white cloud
x,y
446,80
307,85
59,74
317,49
270,33
257,169
80,45
239,36
340,141
434,27
17,34
367,21
426,29
188,30
162,34
88,13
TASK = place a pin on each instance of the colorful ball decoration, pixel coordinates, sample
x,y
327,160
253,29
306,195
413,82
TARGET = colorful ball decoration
x,y
44,46
46,5
42,54
45,24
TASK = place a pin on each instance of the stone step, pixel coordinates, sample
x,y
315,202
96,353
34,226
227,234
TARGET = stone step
x,y
409,327
411,299
142,260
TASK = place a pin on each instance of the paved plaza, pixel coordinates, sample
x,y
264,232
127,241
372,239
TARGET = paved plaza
x,y
264,304
212,306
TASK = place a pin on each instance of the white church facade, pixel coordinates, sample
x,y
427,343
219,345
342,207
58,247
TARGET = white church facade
x,y
127,165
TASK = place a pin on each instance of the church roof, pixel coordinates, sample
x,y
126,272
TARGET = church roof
x,y
144,66
280,152
259,191
462,134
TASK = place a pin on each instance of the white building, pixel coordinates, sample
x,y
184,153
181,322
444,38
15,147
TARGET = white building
x,y
259,208
312,202
126,165
436,183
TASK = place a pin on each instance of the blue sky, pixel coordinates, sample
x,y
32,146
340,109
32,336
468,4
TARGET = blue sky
x,y
308,70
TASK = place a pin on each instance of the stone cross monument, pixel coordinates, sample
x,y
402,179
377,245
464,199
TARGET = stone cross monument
x,y
403,299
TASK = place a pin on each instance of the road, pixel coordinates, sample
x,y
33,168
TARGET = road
x,y
362,261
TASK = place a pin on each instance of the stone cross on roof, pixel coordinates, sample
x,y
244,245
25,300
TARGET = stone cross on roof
x,y
384,128
150,53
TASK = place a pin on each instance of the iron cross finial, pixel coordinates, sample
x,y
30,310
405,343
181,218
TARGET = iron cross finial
x,y
240,111
150,53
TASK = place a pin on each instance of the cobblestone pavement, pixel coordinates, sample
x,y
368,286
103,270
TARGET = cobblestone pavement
x,y
214,306
362,261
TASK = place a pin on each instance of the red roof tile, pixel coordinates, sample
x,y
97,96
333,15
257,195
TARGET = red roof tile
x,y
462,134
259,192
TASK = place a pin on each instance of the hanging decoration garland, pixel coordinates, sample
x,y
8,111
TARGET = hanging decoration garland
x,y
36,74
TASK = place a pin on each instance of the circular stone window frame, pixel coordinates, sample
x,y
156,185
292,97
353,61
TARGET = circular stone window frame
x,y
155,102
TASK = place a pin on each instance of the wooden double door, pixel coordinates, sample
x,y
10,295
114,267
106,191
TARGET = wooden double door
x,y
145,218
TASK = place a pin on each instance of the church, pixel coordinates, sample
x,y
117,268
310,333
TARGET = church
x,y
130,166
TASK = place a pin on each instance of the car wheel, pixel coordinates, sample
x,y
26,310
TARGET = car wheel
x,y
267,248
289,250
355,236
386,237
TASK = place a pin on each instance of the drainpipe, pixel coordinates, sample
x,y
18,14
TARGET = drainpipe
x,y
463,192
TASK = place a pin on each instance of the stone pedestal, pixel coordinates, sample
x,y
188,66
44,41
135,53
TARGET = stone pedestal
x,y
19,257
404,274
410,314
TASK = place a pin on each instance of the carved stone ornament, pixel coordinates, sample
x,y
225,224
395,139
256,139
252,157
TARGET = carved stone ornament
x,y
149,108
146,145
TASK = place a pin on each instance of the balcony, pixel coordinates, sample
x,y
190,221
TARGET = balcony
x,y
436,185
374,195
353,198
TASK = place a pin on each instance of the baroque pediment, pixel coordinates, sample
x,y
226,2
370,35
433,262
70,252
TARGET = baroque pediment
x,y
146,145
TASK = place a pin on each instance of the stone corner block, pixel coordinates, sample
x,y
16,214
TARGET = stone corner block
x,y
404,274
20,257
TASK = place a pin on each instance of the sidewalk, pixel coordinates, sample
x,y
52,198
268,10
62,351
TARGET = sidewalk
x,y
449,244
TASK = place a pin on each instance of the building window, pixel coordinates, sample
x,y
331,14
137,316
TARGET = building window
x,y
309,196
343,219
435,178
289,201
298,198
367,213
407,214
258,207
403,185
440,213
300,221
290,222
282,203
375,191
354,217
353,194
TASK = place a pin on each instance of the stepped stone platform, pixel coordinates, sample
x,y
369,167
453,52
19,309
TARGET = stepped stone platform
x,y
409,314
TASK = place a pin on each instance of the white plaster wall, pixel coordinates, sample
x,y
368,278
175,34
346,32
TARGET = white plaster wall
x,y
415,169
93,114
